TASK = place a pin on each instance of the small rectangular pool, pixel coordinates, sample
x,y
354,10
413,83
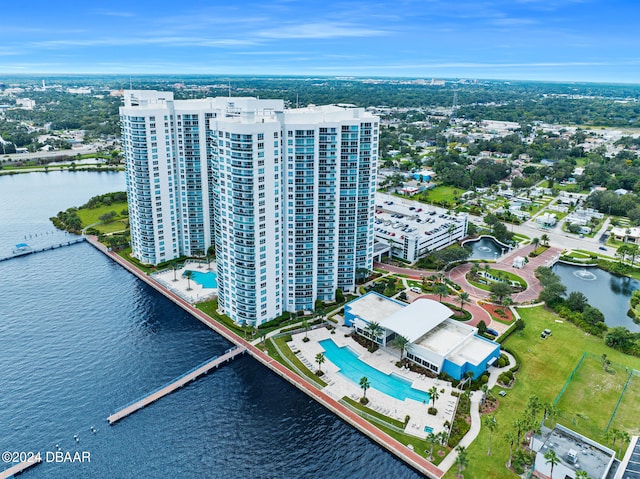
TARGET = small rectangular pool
x,y
354,369
206,280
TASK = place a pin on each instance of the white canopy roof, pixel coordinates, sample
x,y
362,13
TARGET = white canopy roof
x,y
417,319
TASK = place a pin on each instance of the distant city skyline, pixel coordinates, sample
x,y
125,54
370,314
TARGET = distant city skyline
x,y
549,40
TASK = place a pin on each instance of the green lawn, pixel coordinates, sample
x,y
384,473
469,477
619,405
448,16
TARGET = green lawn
x,y
439,194
591,396
89,216
546,365
627,414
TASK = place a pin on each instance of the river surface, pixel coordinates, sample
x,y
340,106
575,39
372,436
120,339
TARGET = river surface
x,y
80,337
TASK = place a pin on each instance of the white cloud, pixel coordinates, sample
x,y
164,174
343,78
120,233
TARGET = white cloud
x,y
321,30
124,41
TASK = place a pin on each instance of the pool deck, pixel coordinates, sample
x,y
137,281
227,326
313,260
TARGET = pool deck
x,y
181,286
383,360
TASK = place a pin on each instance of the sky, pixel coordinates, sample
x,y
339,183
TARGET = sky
x,y
557,40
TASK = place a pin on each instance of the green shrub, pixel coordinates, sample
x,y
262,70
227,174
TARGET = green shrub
x,y
504,378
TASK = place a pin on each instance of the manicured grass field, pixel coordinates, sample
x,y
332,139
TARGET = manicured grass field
x,y
627,414
546,365
591,396
439,194
89,216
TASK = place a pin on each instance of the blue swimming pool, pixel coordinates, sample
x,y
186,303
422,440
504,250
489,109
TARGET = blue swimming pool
x,y
353,369
206,280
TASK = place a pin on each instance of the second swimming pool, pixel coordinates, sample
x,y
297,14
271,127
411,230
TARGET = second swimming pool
x,y
354,369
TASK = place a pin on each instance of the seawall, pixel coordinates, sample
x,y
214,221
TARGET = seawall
x,y
398,449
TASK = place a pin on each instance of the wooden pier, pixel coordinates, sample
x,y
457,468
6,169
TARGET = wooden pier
x,y
18,468
177,384
26,252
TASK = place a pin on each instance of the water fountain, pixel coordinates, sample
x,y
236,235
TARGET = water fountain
x,y
585,275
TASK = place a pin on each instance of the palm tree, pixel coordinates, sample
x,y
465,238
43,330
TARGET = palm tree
x,y
615,434
174,266
518,426
305,325
545,239
364,385
433,394
622,251
431,439
464,299
402,343
582,474
320,361
511,439
492,423
552,459
624,438
441,290
188,274
534,406
550,413
535,241
469,377
374,330
462,460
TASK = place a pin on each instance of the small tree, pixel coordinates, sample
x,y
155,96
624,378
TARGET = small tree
x,y
441,290
374,330
402,343
174,266
492,423
364,385
320,361
432,439
433,394
464,298
500,291
552,459
545,239
482,327
188,274
462,460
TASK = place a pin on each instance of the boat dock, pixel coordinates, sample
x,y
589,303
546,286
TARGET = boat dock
x,y
177,384
400,450
27,251
18,468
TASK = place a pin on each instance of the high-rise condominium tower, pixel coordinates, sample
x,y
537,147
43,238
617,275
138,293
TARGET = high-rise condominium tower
x,y
286,196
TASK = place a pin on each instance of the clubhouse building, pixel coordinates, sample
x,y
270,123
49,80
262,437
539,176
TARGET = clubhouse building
x,y
436,342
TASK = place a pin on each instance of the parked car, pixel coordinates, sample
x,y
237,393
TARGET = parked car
x,y
415,289
602,248
493,332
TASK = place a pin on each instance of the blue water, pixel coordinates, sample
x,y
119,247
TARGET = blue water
x,y
80,337
206,280
484,248
353,369
605,291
